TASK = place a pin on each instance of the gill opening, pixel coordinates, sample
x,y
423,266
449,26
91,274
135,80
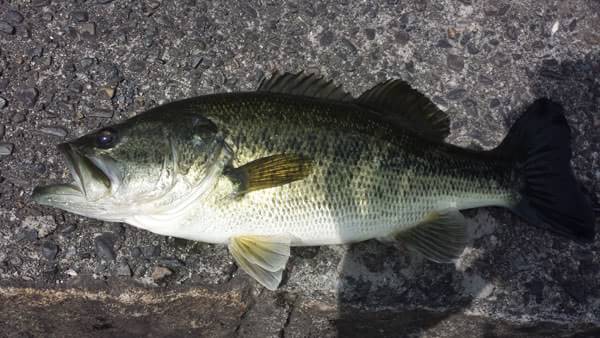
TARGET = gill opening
x,y
216,163
169,167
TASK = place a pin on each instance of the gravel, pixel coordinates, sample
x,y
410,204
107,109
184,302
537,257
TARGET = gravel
x,y
151,251
80,16
44,225
28,96
455,62
14,17
123,269
54,131
49,250
160,272
456,94
6,28
104,245
76,66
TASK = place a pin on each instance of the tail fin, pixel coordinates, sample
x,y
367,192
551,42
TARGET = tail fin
x,y
539,143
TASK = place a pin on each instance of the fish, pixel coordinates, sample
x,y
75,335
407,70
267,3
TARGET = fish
x,y
301,162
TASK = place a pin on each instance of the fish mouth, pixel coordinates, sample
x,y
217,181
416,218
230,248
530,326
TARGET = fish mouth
x,y
93,179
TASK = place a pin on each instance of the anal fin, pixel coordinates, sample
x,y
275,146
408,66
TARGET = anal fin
x,y
262,257
440,237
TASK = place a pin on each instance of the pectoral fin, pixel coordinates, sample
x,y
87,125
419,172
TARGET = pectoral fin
x,y
440,237
262,257
271,171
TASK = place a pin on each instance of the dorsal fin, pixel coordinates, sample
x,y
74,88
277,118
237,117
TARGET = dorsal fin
x,y
401,105
304,85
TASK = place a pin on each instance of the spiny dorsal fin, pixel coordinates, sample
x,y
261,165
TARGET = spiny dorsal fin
x,y
268,172
304,85
401,105
440,237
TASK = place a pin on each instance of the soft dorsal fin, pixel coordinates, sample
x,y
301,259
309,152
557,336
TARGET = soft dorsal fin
x,y
304,85
401,105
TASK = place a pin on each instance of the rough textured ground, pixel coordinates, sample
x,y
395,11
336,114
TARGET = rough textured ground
x,y
69,67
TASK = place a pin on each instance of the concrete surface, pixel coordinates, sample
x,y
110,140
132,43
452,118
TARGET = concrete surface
x,y
69,67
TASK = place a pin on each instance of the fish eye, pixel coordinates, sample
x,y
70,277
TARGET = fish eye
x,y
106,138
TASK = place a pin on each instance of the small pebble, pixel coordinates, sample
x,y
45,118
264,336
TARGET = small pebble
x,y
88,29
40,168
402,38
139,271
26,235
443,43
37,51
123,269
14,17
6,28
79,16
538,44
6,148
452,33
151,251
494,103
18,117
85,63
55,131
496,9
28,96
455,62
47,16
49,250
485,80
3,102
160,272
40,3
472,48
456,94
573,25
69,229
109,92
71,273
99,112
512,32
136,252
196,61
45,225
104,246
327,38
171,262
15,261
470,106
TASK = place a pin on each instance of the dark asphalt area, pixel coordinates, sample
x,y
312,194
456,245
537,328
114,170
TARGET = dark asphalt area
x,y
69,67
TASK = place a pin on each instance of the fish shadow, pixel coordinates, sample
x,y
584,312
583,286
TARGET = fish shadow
x,y
509,266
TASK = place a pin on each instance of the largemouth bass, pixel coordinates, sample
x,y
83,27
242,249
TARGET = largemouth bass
x,y
300,162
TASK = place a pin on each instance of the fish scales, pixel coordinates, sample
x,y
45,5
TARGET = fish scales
x,y
368,178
